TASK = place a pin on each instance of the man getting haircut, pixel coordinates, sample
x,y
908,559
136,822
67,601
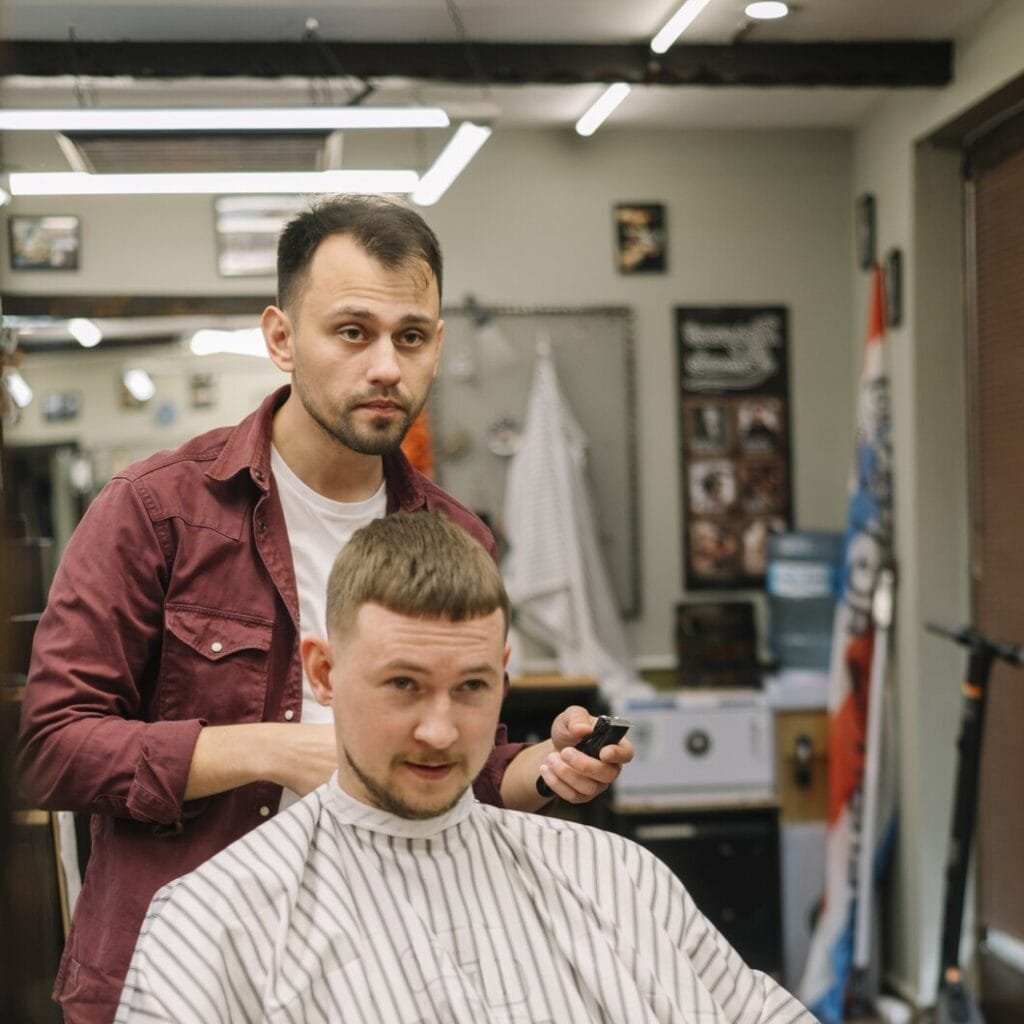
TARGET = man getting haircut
x,y
389,893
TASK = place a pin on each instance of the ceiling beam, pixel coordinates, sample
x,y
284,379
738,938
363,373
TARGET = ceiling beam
x,y
861,64
62,307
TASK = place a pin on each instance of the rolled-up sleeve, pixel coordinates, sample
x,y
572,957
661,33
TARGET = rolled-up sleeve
x,y
86,741
487,787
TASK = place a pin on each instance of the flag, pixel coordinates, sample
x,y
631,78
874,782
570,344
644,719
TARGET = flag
x,y
867,548
554,572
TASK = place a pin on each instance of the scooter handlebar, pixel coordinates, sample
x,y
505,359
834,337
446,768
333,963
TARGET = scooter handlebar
x,y
968,636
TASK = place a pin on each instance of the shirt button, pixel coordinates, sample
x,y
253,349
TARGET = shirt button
x,y
289,715
258,473
262,526
216,647
264,811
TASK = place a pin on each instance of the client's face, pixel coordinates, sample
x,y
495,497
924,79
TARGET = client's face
x,y
416,704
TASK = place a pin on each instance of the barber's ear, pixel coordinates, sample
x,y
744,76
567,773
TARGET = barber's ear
x,y
439,348
505,656
277,334
317,660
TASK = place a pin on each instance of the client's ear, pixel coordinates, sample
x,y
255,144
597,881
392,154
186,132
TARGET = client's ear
x,y
317,660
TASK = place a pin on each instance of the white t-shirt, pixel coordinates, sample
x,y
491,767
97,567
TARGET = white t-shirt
x,y
318,528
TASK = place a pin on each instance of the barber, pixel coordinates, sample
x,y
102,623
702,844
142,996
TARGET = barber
x,y
166,694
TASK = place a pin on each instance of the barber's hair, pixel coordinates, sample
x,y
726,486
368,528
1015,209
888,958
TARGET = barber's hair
x,y
390,231
419,564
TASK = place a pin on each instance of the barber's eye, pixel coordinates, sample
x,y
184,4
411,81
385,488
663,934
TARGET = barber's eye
x,y
402,683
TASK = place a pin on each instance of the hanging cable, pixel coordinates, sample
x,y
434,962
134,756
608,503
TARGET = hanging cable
x,y
330,66
472,55
84,93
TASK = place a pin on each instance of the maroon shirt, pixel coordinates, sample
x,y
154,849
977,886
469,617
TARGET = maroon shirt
x,y
174,607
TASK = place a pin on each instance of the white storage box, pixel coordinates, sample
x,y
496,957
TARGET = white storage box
x,y
699,742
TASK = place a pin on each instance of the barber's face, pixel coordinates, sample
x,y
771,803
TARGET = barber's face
x,y
416,705
362,343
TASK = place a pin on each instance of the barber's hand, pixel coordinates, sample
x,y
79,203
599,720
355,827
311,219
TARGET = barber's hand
x,y
572,775
294,755
308,757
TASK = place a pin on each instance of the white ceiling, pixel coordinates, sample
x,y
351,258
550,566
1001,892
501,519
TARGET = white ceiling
x,y
580,21
541,21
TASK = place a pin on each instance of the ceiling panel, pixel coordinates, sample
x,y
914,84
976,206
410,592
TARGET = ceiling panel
x,y
445,21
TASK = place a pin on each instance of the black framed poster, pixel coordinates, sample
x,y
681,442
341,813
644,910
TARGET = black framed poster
x,y
735,440
640,238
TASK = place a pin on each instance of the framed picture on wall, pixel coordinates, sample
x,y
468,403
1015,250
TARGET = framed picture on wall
x,y
640,237
43,243
864,230
735,441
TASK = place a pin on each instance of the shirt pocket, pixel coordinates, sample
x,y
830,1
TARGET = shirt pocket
x,y
214,665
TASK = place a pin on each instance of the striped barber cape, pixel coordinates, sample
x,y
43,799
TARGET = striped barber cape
x,y
335,911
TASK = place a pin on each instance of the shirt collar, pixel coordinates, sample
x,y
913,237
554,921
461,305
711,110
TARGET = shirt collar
x,y
248,445
403,484
347,810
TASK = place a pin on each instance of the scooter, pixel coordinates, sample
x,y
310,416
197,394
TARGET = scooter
x,y
955,1004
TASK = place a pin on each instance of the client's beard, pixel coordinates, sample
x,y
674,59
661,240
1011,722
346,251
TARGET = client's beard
x,y
389,801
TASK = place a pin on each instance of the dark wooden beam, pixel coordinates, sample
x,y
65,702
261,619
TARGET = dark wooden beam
x,y
61,307
861,64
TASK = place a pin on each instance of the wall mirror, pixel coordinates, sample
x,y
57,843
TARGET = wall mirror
x,y
477,407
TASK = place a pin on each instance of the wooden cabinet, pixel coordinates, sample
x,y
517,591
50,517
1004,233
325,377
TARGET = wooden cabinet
x,y
801,769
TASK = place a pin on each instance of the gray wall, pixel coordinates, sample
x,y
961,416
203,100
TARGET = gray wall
x,y
918,195
753,217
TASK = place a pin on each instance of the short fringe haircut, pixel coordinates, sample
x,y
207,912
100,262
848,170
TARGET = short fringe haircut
x,y
419,564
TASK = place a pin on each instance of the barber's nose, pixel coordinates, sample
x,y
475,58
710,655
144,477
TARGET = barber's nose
x,y
383,367
436,728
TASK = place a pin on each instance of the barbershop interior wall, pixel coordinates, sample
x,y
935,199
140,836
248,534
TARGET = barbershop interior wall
x,y
919,197
753,217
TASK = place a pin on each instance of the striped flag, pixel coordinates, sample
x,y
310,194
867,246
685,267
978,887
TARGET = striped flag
x,y
868,546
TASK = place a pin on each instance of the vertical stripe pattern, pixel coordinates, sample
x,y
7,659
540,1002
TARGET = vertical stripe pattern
x,y
335,911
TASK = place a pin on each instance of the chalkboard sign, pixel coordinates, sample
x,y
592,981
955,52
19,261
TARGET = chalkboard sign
x,y
478,407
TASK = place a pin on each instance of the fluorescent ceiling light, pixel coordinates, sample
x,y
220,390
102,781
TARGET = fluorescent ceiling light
x,y
74,183
139,384
602,107
85,332
222,120
677,24
248,342
451,162
18,389
766,10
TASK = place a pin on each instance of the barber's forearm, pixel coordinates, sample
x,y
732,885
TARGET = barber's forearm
x,y
299,757
519,785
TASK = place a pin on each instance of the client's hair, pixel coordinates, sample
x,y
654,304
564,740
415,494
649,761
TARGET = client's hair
x,y
419,564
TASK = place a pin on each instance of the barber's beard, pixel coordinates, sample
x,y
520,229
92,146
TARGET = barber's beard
x,y
379,436
387,799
